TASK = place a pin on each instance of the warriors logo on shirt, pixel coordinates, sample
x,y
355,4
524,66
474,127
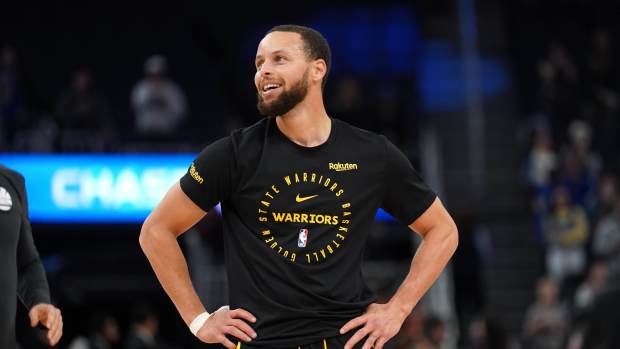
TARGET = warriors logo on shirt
x,y
302,202
5,200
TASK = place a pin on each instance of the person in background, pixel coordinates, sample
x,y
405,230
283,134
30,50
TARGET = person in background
x,y
21,271
606,239
486,333
104,333
546,321
83,115
566,230
144,329
159,104
595,284
434,331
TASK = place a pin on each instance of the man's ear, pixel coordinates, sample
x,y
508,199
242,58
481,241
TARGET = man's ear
x,y
319,69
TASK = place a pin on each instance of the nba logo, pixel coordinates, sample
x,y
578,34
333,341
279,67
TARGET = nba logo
x,y
303,238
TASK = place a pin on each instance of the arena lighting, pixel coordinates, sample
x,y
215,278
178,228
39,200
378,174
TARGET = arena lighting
x,y
114,188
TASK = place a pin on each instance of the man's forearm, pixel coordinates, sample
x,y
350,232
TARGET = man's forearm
x,y
165,256
32,286
430,259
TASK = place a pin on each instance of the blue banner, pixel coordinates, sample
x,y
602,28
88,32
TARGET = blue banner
x,y
119,188
96,188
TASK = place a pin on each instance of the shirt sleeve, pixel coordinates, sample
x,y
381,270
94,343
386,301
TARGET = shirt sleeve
x,y
32,286
406,195
209,177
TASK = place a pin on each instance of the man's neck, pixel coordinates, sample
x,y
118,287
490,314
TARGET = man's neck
x,y
306,125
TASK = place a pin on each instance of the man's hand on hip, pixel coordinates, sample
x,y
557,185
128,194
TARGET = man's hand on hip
x,y
50,317
225,322
380,323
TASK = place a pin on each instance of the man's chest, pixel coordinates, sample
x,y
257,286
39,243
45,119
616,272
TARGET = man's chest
x,y
318,184
308,208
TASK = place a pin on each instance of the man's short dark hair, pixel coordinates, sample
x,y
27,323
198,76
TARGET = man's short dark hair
x,y
315,44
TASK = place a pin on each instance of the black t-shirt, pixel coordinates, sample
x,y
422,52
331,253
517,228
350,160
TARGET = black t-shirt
x,y
21,272
296,221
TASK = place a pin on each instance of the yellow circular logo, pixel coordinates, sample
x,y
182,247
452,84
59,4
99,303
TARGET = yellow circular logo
x,y
304,217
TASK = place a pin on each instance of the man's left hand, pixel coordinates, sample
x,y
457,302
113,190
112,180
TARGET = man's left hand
x,y
50,317
380,323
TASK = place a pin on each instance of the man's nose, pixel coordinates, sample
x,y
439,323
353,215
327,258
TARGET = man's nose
x,y
266,69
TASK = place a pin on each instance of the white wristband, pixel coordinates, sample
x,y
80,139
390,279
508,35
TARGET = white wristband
x,y
200,320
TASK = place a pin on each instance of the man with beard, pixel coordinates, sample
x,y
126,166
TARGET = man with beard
x,y
21,271
299,191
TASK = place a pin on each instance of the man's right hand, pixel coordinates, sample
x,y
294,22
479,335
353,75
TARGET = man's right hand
x,y
229,322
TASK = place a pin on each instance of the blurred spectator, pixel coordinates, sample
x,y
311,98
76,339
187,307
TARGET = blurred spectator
x,y
607,195
145,326
434,331
24,126
485,333
83,116
542,160
421,332
159,104
540,169
566,231
104,334
606,239
80,106
412,332
25,123
580,136
593,285
546,321
601,66
580,184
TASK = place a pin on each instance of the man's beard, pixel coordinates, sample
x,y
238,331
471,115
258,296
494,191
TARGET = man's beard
x,y
287,99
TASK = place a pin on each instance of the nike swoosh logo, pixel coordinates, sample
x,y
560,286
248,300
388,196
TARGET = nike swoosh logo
x,y
302,199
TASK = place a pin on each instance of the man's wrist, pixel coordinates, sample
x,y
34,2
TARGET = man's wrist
x,y
199,321
402,306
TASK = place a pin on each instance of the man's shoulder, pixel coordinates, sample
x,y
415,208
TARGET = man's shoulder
x,y
236,141
257,127
357,134
249,135
11,174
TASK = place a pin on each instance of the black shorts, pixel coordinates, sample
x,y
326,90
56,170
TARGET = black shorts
x,y
337,342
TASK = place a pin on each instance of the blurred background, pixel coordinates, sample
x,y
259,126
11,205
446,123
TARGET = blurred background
x,y
509,109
